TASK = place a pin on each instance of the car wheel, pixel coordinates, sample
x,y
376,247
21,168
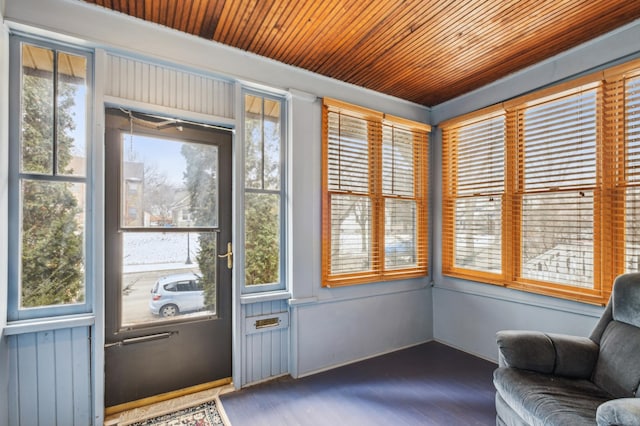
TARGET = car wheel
x,y
169,311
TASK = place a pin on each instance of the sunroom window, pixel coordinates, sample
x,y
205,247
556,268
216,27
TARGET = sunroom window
x,y
264,149
49,177
375,178
571,202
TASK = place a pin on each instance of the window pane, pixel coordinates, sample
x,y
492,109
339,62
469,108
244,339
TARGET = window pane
x,y
168,275
168,183
557,238
632,110
348,152
253,144
72,115
400,233
478,229
632,230
480,157
272,142
350,234
632,195
397,161
263,134
262,238
52,254
37,110
560,143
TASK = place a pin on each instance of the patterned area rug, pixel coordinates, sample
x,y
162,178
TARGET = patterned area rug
x,y
201,415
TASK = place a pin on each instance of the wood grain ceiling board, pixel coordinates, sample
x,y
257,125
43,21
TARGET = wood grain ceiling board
x,y
425,51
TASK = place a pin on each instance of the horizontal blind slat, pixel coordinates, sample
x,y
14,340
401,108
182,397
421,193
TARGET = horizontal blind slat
x,y
559,142
474,168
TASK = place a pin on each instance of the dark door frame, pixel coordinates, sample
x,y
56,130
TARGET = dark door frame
x,y
118,122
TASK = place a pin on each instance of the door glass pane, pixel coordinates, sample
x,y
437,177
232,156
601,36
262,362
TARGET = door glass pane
x,y
168,275
52,223
168,183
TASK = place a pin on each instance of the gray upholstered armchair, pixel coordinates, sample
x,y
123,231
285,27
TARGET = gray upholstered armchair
x,y
551,379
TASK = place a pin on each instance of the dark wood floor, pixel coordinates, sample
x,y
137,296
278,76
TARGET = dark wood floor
x,y
429,384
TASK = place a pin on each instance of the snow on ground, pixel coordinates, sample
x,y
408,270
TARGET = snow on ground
x,y
144,251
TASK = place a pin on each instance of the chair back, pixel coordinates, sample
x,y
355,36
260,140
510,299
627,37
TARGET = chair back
x,y
617,370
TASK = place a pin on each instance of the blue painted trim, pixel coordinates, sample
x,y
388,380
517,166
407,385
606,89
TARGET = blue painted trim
x,y
14,312
284,218
268,296
48,324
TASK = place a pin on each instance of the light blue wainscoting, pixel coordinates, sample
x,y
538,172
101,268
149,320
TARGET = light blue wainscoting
x,y
49,377
265,346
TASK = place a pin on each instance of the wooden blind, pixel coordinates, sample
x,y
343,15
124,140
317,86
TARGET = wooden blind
x,y
404,186
374,196
632,174
570,210
610,207
473,195
557,143
349,168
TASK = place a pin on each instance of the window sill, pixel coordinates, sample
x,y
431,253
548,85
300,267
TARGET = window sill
x,y
48,324
268,296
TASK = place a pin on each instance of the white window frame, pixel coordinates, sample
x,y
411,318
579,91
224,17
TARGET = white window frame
x,y
14,312
282,284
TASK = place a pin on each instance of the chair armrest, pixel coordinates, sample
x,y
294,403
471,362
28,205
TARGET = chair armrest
x,y
563,355
619,412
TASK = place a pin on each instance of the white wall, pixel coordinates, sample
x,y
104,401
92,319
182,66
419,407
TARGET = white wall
x,y
466,314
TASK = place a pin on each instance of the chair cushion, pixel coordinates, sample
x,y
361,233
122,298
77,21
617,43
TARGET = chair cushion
x,y
618,368
543,399
505,415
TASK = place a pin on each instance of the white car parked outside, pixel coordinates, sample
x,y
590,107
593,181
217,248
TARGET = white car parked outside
x,y
175,294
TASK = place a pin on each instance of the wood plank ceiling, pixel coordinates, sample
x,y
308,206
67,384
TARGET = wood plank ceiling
x,y
425,51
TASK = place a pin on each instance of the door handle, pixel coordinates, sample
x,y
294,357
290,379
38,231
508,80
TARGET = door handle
x,y
147,338
228,255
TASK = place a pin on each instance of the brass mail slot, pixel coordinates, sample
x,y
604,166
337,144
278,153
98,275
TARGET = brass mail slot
x,y
267,322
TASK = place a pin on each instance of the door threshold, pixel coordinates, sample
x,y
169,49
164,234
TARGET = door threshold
x,y
165,403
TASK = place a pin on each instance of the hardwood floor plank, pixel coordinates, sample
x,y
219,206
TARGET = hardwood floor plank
x,y
428,384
